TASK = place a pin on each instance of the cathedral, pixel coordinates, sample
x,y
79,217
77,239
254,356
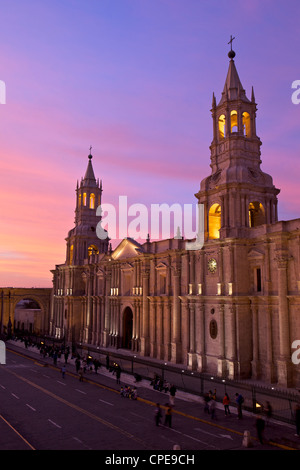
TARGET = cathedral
x,y
229,308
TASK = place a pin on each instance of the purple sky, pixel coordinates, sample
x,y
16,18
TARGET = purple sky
x,y
134,79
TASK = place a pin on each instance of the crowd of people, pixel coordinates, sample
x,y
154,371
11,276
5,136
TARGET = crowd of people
x,y
86,364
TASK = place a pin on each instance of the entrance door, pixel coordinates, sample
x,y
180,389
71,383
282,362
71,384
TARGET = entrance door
x,y
127,328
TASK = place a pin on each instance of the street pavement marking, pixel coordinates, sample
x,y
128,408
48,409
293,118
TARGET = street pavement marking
x,y
16,396
80,391
20,435
107,402
31,407
54,424
81,410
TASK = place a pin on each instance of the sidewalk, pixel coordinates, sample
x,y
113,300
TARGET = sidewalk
x,y
280,434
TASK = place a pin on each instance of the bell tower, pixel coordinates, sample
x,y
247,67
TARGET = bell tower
x,y
82,240
238,195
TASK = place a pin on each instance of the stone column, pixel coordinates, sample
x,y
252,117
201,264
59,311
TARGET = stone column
x,y
232,344
145,340
255,364
176,355
221,333
192,357
200,335
107,311
284,362
153,327
167,330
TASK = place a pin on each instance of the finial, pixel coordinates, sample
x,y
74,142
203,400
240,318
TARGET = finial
x,y
213,101
231,53
90,155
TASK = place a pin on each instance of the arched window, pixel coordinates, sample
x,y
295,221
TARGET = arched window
x,y
71,254
246,124
92,201
222,121
214,221
233,121
93,250
79,200
84,199
256,214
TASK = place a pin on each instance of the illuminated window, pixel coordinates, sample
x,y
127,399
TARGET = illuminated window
x,y
84,199
214,221
92,201
79,200
246,124
233,121
222,121
93,250
256,214
71,253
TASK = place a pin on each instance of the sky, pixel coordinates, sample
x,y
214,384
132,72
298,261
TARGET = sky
x,y
133,79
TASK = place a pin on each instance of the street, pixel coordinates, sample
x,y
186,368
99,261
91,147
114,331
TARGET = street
x,y
42,410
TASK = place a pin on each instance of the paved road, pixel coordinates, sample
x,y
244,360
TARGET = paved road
x,y
42,410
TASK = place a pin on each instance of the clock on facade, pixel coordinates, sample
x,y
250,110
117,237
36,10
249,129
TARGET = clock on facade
x,y
212,265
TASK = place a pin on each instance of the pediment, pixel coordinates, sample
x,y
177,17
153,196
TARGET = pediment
x,y
255,254
161,266
128,248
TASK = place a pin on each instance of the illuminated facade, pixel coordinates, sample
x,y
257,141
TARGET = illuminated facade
x,y
231,308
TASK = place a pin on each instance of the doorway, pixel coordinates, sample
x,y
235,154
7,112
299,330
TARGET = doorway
x,y
127,328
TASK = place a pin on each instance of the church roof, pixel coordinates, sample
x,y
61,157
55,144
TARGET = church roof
x,y
233,88
89,177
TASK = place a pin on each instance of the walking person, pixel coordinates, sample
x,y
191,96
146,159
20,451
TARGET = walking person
x,y
206,403
118,373
172,394
212,408
239,401
260,426
81,374
226,402
77,364
158,414
268,411
63,371
297,419
168,417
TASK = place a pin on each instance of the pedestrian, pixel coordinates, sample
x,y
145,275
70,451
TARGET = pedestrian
x,y
260,426
168,417
226,402
297,419
212,408
63,371
268,411
158,414
118,373
172,394
206,403
81,374
239,401
77,364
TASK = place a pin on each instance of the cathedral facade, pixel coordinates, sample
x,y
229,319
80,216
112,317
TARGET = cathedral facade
x,y
230,308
